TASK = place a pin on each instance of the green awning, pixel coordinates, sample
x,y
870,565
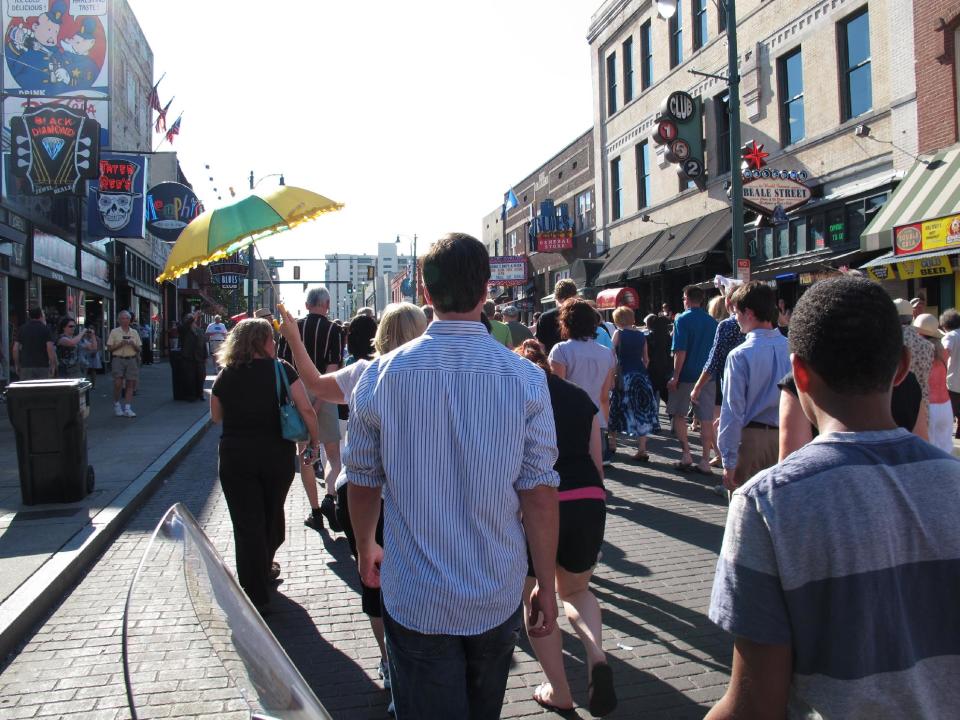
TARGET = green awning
x,y
930,190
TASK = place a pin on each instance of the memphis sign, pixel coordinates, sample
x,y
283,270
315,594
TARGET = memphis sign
x,y
766,194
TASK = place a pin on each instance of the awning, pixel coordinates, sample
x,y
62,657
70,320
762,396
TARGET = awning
x,y
712,230
668,241
891,259
617,297
826,259
930,190
541,262
584,270
617,266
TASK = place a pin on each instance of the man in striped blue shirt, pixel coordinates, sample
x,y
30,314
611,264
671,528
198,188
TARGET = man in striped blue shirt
x,y
457,434
839,575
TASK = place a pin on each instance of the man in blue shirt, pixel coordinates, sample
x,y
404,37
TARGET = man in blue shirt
x,y
462,497
749,417
693,332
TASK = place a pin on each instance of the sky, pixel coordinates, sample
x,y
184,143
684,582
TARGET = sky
x,y
417,115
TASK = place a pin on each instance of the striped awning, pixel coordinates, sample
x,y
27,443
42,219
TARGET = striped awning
x,y
930,190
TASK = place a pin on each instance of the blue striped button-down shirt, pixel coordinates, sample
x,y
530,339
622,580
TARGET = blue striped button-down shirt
x,y
451,426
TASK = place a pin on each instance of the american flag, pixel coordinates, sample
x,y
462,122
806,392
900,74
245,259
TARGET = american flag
x,y
161,124
153,98
173,131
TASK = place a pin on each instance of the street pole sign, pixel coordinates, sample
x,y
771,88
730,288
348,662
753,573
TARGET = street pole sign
x,y
274,263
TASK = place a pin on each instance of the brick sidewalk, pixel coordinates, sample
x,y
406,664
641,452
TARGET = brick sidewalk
x,y
663,533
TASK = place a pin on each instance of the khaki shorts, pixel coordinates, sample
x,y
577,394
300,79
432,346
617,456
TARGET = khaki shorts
x,y
125,367
759,450
679,401
328,421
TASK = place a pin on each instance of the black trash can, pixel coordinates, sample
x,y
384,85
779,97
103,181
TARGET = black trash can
x,y
182,377
49,418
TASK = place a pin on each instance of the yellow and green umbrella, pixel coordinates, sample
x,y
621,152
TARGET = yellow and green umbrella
x,y
219,233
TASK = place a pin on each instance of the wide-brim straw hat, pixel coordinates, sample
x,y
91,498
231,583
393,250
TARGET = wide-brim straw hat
x,y
928,325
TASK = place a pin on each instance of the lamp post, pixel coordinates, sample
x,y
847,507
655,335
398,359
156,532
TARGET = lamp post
x,y
250,251
666,9
416,283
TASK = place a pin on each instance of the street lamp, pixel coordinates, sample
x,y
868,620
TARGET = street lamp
x,y
250,251
416,284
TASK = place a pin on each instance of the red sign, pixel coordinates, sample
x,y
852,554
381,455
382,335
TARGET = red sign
x,y
553,241
666,132
617,297
743,270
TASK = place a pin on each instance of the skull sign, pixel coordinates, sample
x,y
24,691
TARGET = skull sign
x,y
115,209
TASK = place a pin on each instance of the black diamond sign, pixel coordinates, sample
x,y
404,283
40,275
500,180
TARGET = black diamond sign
x,y
55,148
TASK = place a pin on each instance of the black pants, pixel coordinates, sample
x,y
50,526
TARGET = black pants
x,y
146,353
255,477
199,374
955,404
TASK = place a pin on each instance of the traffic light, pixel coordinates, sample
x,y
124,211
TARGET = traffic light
x,y
371,272
305,287
296,272
349,288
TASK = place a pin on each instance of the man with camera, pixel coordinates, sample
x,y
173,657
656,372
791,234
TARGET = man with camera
x,y
124,344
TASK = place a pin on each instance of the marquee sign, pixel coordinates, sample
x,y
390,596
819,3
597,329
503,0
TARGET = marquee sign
x,y
508,270
55,148
170,208
770,191
553,241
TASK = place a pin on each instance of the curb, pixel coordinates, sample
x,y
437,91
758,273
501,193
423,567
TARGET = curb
x,y
42,590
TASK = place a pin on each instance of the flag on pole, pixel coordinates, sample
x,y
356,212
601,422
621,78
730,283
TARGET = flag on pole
x,y
173,131
161,124
153,98
510,200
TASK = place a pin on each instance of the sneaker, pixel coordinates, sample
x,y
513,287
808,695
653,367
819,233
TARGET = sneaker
x,y
117,410
329,510
128,412
314,520
720,491
384,672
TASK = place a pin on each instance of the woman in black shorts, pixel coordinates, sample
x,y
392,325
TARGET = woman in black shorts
x,y
582,519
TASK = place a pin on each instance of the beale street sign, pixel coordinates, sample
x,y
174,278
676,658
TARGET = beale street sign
x,y
766,194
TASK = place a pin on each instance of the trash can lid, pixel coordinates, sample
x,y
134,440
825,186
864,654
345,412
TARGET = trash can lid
x,y
51,384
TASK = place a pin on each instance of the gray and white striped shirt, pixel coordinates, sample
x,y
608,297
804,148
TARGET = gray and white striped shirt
x,y
452,426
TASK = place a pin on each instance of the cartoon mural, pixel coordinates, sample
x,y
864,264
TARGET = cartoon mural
x,y
51,53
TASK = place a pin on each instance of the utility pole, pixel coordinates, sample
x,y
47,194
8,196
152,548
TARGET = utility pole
x,y
736,176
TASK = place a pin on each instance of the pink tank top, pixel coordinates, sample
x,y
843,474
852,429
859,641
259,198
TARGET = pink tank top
x,y
938,382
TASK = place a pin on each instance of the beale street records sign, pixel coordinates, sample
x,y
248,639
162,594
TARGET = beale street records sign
x,y
170,208
766,194
508,270
55,148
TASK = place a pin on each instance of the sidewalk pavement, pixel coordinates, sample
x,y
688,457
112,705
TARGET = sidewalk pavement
x,y
45,548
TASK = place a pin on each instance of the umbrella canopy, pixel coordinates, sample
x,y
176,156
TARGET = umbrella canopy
x,y
216,234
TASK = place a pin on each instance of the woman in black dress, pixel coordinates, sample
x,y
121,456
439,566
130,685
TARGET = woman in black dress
x,y
256,463
659,341
193,346
583,514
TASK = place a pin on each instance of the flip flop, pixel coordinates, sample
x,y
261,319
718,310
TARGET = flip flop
x,y
544,704
683,467
603,698
642,457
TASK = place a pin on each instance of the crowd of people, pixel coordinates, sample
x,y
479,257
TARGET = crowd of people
x,y
829,428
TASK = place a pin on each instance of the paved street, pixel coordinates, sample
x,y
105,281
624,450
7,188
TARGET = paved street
x,y
663,533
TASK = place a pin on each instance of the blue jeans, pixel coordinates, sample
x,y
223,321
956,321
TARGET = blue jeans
x,y
440,677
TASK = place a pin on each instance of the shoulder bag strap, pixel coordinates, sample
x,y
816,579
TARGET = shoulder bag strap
x,y
326,347
276,368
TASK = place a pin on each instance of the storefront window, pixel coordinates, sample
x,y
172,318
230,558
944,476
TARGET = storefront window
x,y
836,231
816,237
767,234
783,240
856,220
798,235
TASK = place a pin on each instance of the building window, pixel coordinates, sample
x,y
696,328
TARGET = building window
x,y
643,174
721,18
676,36
646,56
836,228
584,204
700,31
612,84
798,235
790,74
856,86
783,239
627,70
616,189
721,104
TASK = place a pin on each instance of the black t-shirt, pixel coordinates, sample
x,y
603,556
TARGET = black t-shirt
x,y
904,401
573,412
548,329
322,339
248,396
33,339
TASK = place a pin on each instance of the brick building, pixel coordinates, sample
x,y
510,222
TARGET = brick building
x,y
811,73
553,224
936,37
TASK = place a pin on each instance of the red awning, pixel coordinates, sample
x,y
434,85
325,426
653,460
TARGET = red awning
x,y
617,297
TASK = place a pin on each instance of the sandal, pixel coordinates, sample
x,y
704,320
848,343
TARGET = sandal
x,y
538,698
683,467
603,698
716,462
642,457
